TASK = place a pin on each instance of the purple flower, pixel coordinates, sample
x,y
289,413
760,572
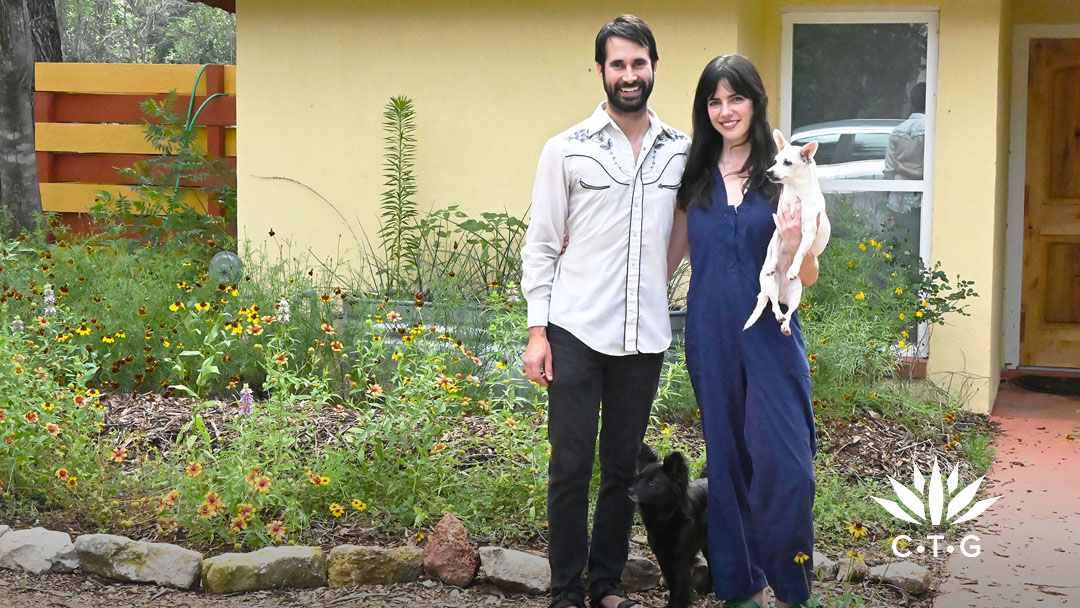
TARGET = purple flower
x,y
47,295
512,299
17,325
247,397
49,310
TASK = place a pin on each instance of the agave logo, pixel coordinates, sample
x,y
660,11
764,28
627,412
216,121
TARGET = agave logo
x,y
934,512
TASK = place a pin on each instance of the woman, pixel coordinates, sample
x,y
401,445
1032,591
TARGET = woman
x,y
753,386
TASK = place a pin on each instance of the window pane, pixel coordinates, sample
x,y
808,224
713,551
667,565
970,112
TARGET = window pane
x,y
891,217
869,146
863,83
826,147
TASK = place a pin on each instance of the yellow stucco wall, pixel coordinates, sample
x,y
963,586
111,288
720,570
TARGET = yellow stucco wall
x,y
969,195
1056,12
491,81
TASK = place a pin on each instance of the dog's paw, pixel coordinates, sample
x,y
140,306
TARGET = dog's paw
x,y
791,276
785,329
770,272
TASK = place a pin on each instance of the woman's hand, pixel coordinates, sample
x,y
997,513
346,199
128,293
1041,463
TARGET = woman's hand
x,y
789,224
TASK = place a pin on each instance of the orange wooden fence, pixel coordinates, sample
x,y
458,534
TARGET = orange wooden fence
x,y
89,125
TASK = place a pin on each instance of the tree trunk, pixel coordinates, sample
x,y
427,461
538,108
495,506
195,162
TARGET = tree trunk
x,y
20,195
45,29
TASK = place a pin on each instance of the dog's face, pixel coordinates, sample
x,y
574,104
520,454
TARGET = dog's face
x,y
792,162
660,485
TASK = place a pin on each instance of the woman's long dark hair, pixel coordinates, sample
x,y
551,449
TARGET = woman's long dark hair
x,y
707,144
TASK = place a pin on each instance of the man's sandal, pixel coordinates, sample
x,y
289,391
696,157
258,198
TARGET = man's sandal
x,y
625,603
568,599
741,604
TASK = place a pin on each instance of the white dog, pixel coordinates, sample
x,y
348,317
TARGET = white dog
x,y
796,170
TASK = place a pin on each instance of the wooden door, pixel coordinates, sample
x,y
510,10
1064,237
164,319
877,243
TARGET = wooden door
x,y
1050,305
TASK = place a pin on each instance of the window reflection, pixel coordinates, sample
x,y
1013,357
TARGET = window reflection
x,y
853,86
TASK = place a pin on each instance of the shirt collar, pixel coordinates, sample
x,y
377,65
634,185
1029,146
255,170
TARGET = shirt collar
x,y
600,119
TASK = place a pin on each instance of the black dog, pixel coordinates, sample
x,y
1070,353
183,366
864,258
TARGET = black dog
x,y
673,509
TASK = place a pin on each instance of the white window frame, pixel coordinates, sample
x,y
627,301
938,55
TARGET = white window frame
x,y
925,186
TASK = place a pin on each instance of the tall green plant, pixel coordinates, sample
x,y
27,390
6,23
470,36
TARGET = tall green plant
x,y
159,208
398,207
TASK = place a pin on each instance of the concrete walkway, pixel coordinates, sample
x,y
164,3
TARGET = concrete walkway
x,y
1030,538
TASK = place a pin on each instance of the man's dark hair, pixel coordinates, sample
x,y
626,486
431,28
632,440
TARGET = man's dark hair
x,y
918,98
629,27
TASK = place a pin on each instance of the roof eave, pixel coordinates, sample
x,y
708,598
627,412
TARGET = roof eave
x,y
228,5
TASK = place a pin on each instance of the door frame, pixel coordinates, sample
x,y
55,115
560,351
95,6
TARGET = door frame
x,y
1023,34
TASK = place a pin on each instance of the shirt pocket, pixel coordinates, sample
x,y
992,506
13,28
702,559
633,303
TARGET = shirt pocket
x,y
586,185
668,177
589,174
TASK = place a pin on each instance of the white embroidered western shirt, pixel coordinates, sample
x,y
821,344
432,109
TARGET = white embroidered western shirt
x,y
609,288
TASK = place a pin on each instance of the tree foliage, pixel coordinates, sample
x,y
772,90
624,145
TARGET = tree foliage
x,y
146,31
855,70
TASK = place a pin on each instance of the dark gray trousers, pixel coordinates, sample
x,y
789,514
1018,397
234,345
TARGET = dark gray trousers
x,y
583,379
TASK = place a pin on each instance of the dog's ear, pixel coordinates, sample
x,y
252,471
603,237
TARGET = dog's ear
x,y
778,137
646,456
677,470
809,150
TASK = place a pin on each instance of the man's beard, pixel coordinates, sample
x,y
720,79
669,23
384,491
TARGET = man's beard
x,y
629,107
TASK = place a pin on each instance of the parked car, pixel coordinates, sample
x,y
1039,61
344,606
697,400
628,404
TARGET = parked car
x,y
849,149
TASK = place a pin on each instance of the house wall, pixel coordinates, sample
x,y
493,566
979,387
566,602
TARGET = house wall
x,y
1054,12
491,81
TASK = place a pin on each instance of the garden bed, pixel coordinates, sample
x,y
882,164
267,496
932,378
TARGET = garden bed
x,y
859,449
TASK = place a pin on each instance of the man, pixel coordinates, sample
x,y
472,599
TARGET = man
x,y
904,160
598,315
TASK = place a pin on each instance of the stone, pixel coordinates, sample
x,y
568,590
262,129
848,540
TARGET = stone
x,y
355,565
269,568
852,570
910,577
448,556
121,558
4,529
700,578
38,550
824,567
516,570
640,574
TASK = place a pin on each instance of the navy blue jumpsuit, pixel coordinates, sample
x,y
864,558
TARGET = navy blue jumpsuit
x,y
753,388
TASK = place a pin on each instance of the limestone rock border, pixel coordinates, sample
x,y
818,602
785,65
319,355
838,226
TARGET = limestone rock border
x,y
307,567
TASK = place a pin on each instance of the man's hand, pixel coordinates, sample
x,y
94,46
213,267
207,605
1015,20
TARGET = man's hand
x,y
537,357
